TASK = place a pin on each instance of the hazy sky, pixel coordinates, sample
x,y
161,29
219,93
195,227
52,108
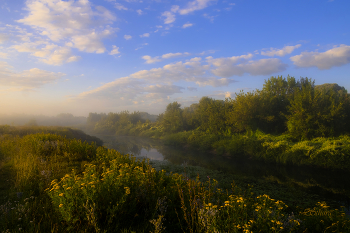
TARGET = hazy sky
x,y
82,56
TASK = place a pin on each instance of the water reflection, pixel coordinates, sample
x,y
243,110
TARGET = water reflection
x,y
333,184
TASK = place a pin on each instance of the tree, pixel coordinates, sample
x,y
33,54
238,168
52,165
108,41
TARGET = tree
x,y
172,119
316,112
211,115
190,118
275,99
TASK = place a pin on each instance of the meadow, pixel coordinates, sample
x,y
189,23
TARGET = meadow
x,y
54,183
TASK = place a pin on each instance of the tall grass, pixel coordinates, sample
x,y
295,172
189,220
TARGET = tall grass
x,y
65,185
333,153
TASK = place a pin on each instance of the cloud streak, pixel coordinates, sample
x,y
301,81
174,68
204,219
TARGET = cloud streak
x,y
170,16
151,60
27,79
280,52
337,56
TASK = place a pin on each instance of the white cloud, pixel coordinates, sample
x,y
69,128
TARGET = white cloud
x,y
206,52
280,52
60,56
144,35
157,87
169,17
76,24
171,55
120,7
191,7
167,89
194,6
3,55
150,60
337,56
153,86
214,82
48,53
127,37
239,65
27,79
186,25
115,50
139,12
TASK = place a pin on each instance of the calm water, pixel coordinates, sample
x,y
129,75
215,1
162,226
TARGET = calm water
x,y
330,184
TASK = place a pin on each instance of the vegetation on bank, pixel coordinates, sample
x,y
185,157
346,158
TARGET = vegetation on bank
x,y
60,184
69,133
288,121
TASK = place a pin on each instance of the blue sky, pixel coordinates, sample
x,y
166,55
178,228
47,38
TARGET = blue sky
x,y
82,56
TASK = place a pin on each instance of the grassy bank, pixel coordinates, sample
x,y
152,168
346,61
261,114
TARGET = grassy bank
x,y
332,153
66,185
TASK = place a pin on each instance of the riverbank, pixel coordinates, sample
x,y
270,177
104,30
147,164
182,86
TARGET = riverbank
x,y
330,153
295,185
108,191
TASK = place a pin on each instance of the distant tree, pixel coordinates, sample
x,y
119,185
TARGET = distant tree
x,y
32,122
331,86
244,114
65,116
172,119
190,118
93,118
211,115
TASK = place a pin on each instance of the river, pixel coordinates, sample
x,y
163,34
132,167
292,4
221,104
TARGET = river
x,y
334,185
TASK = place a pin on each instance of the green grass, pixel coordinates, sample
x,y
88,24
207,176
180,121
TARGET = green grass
x,y
65,185
329,153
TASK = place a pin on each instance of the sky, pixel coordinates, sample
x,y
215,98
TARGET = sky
x,y
81,56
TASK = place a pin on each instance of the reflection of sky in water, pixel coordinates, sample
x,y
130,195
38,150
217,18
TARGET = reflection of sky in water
x,y
152,154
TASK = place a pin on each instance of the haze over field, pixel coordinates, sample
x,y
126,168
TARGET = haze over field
x,y
82,56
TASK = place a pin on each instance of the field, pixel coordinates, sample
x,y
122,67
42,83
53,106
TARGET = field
x,y
55,183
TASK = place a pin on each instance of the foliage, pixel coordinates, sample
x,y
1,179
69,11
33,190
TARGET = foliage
x,y
316,112
107,191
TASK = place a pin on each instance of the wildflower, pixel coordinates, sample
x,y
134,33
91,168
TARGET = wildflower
x,y
60,205
69,188
61,194
127,190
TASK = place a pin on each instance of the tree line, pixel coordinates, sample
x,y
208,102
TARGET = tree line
x,y
284,105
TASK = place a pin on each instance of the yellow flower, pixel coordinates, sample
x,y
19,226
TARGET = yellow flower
x,y
127,190
61,194
69,188
60,205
